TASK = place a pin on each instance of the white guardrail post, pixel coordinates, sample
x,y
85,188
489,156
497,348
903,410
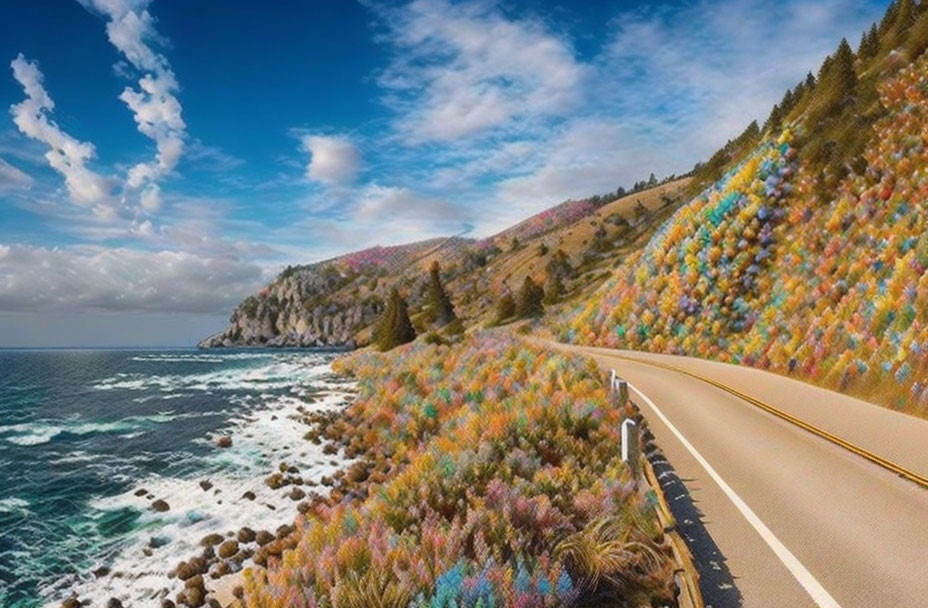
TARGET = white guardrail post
x,y
618,390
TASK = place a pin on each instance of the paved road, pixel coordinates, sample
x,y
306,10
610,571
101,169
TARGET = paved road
x,y
776,515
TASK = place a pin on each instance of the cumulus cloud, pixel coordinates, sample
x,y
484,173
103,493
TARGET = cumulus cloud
x,y
462,69
66,155
36,279
12,178
151,198
155,107
333,160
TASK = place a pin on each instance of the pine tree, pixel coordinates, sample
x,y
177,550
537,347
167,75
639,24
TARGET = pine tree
x,y
394,327
810,81
652,181
531,297
554,289
918,36
505,308
889,17
773,121
787,103
844,77
826,67
869,43
440,308
905,18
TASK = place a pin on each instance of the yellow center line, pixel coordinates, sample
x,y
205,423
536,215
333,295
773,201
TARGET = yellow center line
x,y
874,458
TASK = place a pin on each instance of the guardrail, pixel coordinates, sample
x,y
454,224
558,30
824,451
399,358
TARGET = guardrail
x,y
634,428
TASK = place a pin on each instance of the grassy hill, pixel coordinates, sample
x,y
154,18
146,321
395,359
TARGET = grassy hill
x,y
808,256
337,302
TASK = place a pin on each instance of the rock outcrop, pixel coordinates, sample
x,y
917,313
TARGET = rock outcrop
x,y
325,304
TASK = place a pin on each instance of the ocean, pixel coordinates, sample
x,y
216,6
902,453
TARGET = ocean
x,y
89,439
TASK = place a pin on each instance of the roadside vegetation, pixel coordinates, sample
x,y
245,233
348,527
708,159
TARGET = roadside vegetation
x,y
490,475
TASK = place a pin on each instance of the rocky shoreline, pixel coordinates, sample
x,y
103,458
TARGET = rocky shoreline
x,y
212,575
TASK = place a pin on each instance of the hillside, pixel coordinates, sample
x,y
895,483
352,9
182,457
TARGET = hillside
x,y
798,247
327,303
774,267
335,302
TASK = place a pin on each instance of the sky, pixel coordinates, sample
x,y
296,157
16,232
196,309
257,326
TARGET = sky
x,y
161,160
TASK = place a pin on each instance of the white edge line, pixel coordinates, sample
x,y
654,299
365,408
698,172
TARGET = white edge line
x,y
805,578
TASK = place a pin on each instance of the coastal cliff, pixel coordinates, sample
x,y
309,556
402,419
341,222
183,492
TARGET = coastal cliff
x,y
331,303
336,302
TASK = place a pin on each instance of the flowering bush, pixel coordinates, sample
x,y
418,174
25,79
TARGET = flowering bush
x,y
759,271
502,485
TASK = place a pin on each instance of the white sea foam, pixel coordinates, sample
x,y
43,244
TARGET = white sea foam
x,y
159,397
43,431
211,357
29,433
266,431
278,373
13,505
75,456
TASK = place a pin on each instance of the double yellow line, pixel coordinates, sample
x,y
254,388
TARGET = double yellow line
x,y
889,465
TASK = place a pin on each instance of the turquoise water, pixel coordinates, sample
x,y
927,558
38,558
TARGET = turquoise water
x,y
82,433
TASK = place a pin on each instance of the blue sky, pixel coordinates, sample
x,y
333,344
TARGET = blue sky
x,y
160,160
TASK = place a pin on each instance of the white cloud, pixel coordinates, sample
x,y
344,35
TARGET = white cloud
x,y
587,156
12,178
463,69
694,76
333,160
67,155
671,87
379,203
154,105
119,280
151,198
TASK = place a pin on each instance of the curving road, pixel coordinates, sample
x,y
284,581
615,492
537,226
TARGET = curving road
x,y
775,515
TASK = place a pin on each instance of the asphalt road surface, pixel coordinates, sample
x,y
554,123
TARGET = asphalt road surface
x,y
775,515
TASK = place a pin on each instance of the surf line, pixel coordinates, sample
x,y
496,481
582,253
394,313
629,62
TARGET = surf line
x,y
805,578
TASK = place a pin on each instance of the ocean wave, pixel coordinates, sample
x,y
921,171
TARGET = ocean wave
x,y
264,436
30,434
43,431
200,357
280,373
75,456
13,505
159,397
